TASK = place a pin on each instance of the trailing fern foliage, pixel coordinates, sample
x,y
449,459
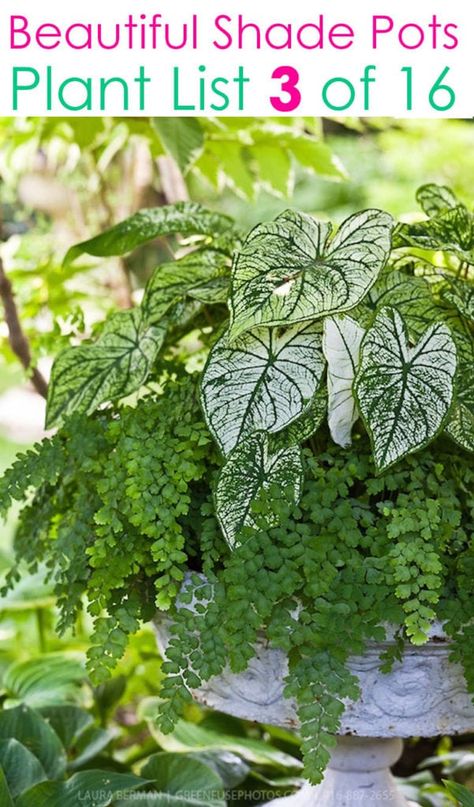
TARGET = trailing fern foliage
x,y
271,444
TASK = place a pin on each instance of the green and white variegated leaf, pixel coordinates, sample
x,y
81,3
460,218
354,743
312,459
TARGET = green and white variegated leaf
x,y
289,270
341,346
183,218
461,422
212,292
250,469
305,426
188,277
460,293
115,366
404,393
411,296
451,231
261,381
436,199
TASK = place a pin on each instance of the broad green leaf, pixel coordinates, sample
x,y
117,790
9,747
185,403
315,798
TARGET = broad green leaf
x,y
233,165
98,788
172,282
463,796
44,681
30,729
460,293
21,768
263,380
451,231
341,346
232,769
69,722
182,781
435,199
289,270
315,156
273,167
115,366
184,218
5,795
192,737
250,469
404,393
183,139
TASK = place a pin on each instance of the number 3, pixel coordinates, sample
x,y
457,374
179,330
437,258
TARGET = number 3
x,y
289,86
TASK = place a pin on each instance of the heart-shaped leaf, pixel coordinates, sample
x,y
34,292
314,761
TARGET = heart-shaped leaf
x,y
263,380
185,218
115,366
404,393
172,282
341,346
460,293
461,422
435,199
289,270
21,768
250,469
411,296
451,231
87,787
305,426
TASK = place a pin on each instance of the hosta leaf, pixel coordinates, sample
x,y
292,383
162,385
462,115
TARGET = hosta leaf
x,y
251,468
69,722
30,729
404,393
44,681
94,787
116,365
460,293
451,231
289,270
263,380
341,346
21,768
5,795
184,218
172,282
183,139
189,736
436,199
182,781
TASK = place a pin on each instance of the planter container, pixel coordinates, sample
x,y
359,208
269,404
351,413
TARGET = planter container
x,y
425,695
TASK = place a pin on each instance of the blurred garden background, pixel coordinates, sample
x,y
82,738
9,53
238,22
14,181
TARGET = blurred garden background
x,y
62,181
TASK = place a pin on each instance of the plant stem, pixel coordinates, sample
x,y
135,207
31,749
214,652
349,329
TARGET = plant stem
x,y
40,624
16,336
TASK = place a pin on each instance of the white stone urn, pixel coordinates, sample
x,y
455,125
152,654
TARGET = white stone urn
x,y
425,695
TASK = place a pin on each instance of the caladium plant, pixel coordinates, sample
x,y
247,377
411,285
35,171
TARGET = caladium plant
x,y
310,309
286,411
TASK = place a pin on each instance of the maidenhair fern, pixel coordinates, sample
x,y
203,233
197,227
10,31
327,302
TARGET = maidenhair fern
x,y
310,483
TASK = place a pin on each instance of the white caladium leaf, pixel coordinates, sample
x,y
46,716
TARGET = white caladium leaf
x,y
341,346
450,231
290,270
461,427
411,296
261,381
251,468
461,422
404,393
460,293
436,199
115,366
172,282
302,429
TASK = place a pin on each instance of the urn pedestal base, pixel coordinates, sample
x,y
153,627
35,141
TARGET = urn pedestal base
x,y
357,776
